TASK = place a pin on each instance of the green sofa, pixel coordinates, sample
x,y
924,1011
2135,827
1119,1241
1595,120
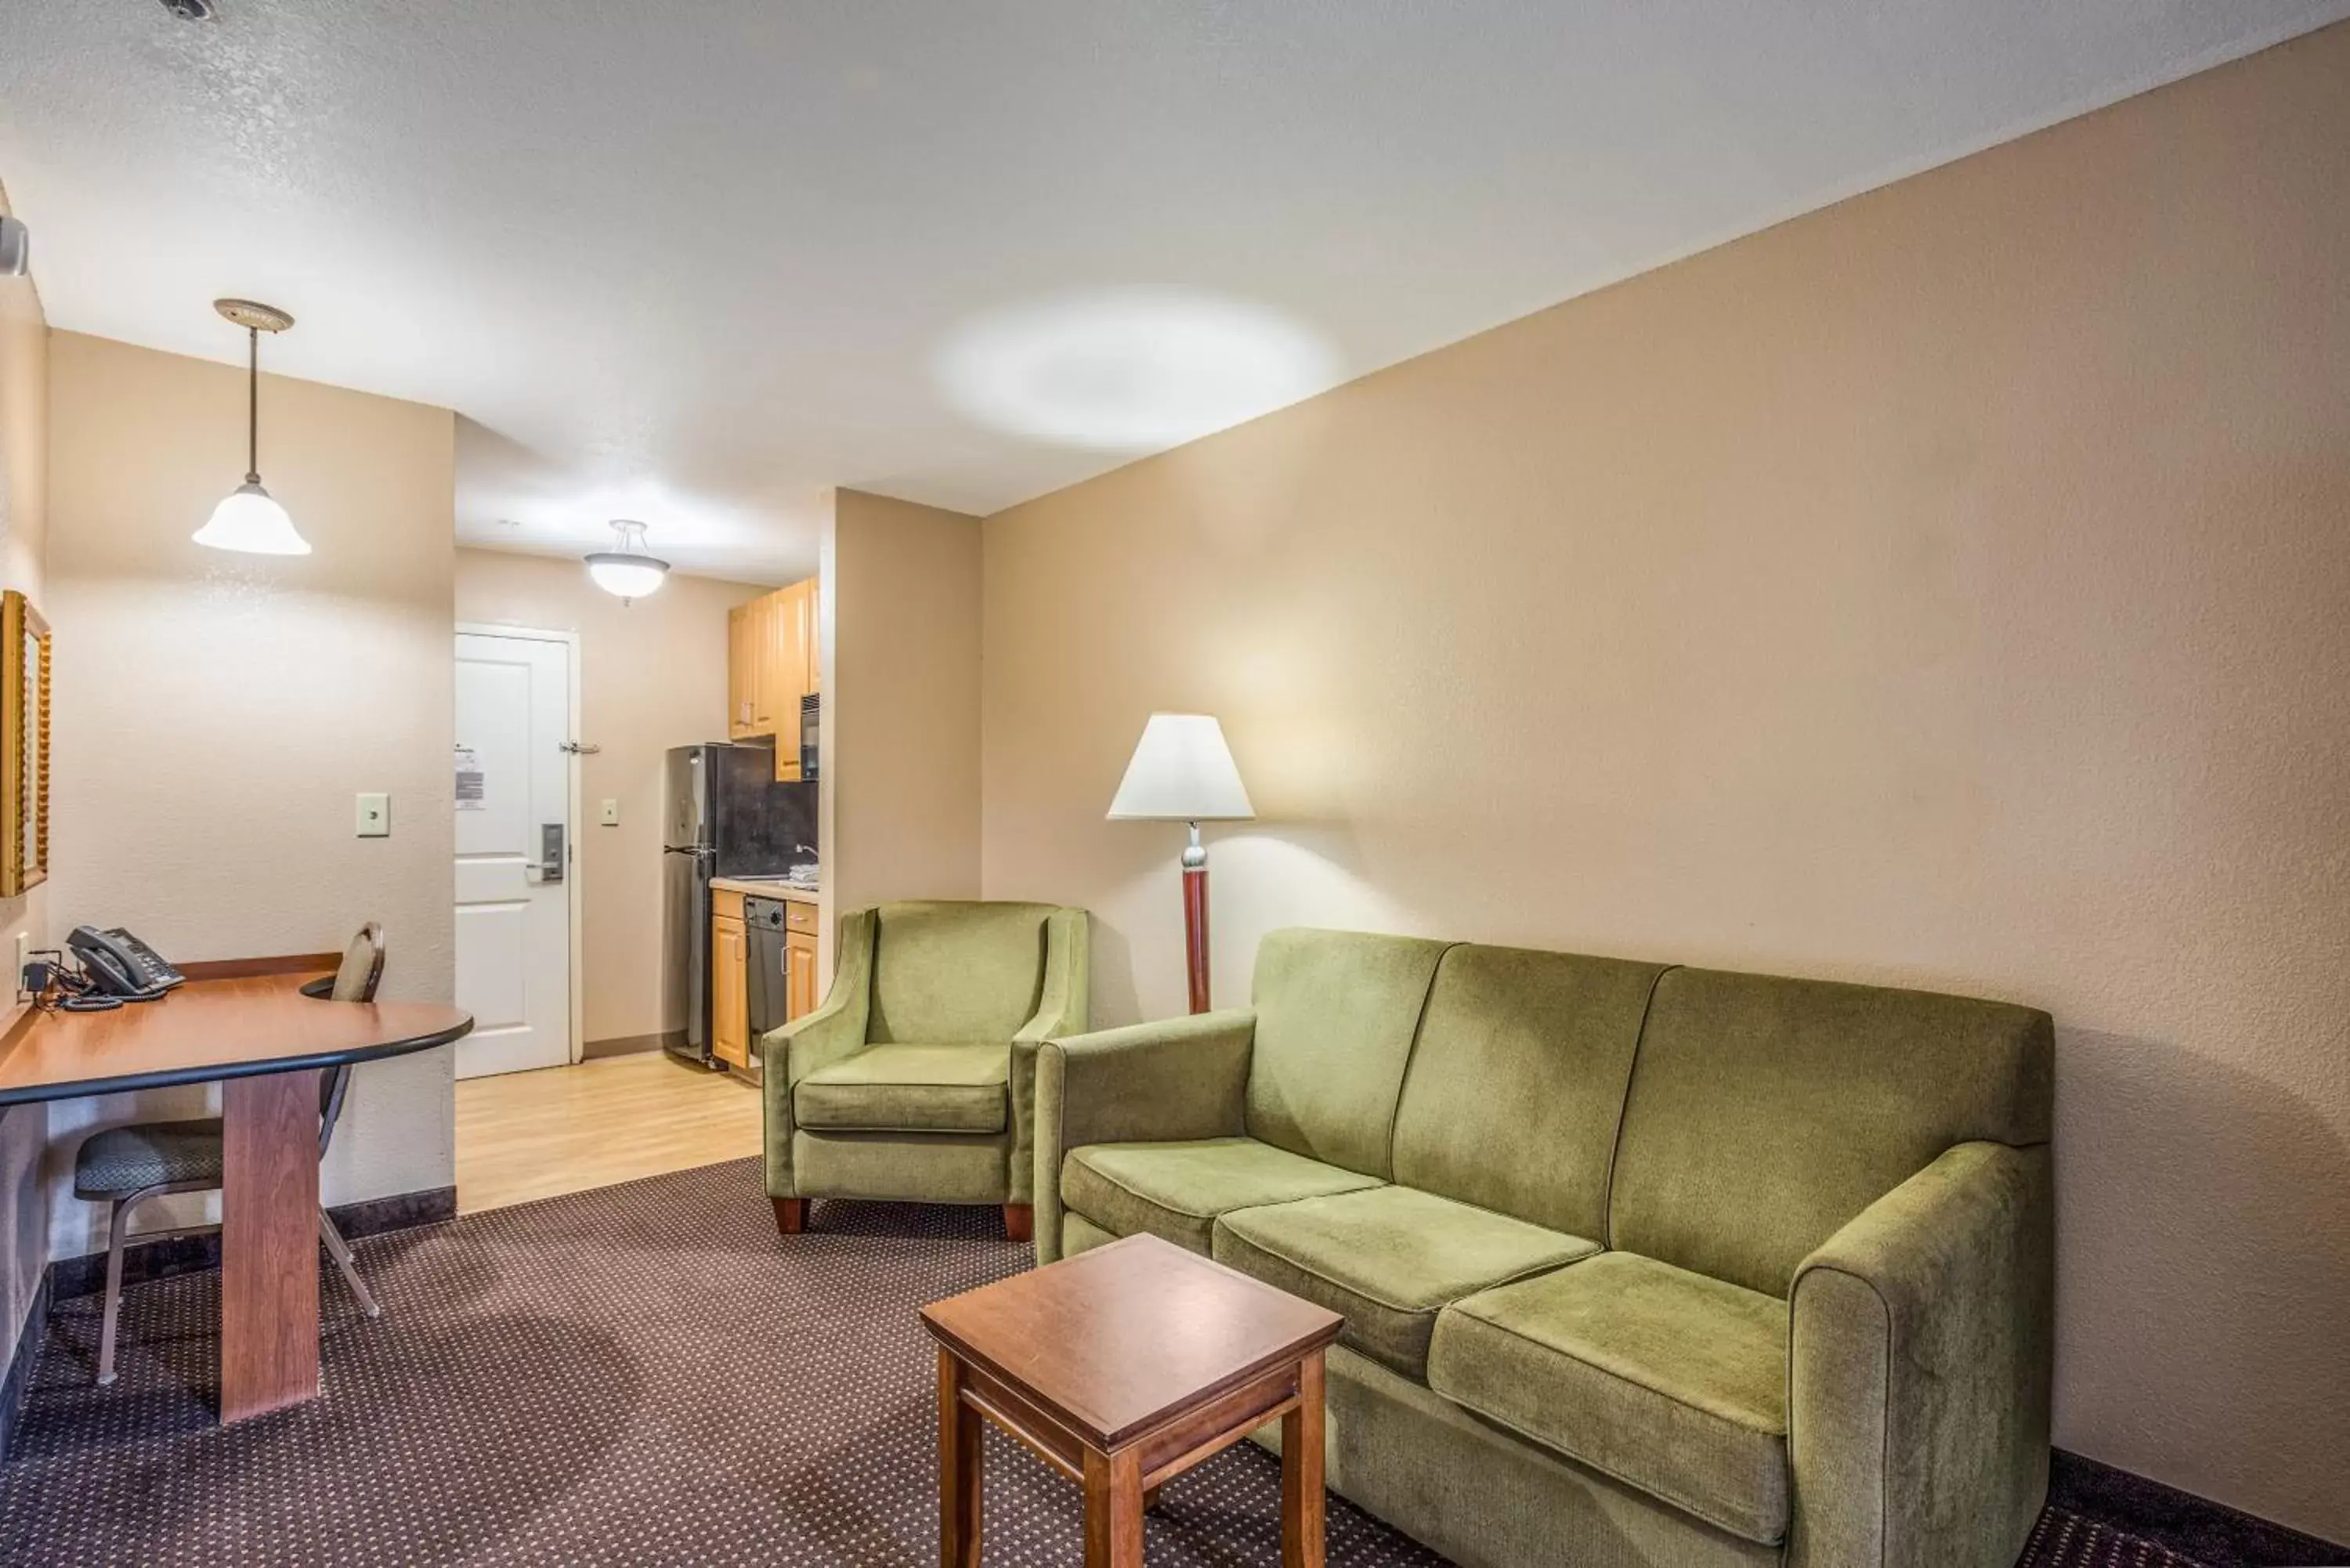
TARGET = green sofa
x,y
912,1080
1639,1263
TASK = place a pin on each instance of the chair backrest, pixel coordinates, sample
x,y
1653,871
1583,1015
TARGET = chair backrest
x,y
355,980
362,965
953,973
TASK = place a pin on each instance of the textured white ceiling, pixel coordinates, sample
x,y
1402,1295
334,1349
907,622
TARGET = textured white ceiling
x,y
695,261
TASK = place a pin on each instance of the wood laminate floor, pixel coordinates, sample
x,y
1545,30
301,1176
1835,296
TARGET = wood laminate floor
x,y
522,1135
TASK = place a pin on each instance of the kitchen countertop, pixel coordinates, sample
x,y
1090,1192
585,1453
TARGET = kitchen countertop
x,y
765,887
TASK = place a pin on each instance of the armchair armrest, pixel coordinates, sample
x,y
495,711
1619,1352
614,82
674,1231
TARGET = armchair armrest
x,y
1182,1078
836,1030
1062,1008
1919,1366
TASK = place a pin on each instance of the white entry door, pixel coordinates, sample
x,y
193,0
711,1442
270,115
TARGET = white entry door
x,y
513,851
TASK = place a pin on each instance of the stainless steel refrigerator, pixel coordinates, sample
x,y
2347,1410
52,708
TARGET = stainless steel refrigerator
x,y
725,816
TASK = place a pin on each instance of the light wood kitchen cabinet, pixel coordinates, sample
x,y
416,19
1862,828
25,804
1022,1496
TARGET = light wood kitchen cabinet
x,y
800,987
730,996
772,661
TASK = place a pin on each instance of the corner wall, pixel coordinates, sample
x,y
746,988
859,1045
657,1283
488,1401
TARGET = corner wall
x,y
23,551
899,813
216,714
652,675
1946,590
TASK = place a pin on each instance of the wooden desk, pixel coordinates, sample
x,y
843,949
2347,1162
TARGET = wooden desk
x,y
266,1044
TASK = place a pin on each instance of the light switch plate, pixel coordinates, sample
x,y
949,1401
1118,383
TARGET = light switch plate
x,y
375,815
610,815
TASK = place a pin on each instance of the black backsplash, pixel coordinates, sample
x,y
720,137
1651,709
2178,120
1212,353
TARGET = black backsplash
x,y
795,815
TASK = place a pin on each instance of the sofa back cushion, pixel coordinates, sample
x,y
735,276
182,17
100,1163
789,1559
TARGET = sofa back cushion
x,y
1766,1113
947,972
1517,1084
1335,1013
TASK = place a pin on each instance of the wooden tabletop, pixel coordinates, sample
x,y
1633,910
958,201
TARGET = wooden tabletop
x,y
208,1030
1115,1339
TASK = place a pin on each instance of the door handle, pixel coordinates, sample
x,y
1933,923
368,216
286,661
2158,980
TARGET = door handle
x,y
550,849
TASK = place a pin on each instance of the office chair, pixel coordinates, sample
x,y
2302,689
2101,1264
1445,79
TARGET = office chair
x,y
123,1166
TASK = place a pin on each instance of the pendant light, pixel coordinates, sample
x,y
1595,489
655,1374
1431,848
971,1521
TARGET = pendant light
x,y
249,518
626,569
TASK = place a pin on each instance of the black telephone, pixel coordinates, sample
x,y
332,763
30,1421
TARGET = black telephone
x,y
117,963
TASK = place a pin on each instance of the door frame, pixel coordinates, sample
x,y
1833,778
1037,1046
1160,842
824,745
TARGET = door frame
x,y
577,1045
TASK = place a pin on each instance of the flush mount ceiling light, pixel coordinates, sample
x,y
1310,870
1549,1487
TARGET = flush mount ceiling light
x,y
1135,370
626,569
249,518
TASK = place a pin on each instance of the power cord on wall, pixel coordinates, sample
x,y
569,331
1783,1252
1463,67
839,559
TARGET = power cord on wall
x,y
54,985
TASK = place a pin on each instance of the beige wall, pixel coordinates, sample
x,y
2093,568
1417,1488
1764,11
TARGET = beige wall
x,y
652,676
216,714
24,548
1947,588
899,800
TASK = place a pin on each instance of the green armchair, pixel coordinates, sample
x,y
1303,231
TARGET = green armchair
x,y
914,1081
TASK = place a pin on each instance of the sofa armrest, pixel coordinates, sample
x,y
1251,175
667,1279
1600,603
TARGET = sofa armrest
x,y
835,1031
1063,1003
1919,1365
1183,1078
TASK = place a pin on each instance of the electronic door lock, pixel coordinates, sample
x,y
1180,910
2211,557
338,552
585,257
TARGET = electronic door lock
x,y
550,852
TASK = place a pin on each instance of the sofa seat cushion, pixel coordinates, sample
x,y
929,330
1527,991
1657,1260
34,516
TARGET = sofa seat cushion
x,y
1175,1190
1389,1259
908,1089
1667,1380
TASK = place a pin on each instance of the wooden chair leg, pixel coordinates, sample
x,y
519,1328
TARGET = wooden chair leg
x,y
1019,1222
790,1215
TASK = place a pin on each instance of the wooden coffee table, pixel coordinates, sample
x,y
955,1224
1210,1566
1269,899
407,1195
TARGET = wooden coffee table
x,y
1122,1367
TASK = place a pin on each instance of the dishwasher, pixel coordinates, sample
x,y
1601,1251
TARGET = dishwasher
x,y
767,989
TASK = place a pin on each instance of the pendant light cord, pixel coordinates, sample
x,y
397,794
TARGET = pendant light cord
x,y
253,406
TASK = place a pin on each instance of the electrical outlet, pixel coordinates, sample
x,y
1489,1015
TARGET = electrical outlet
x,y
610,815
375,816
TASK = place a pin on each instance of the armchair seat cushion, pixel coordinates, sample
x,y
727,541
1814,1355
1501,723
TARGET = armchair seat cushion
x,y
1389,1257
908,1089
1667,1380
1175,1190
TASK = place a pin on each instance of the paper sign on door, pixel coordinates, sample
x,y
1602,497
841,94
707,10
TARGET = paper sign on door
x,y
472,795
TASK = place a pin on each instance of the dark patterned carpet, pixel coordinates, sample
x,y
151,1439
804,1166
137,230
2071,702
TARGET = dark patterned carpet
x,y
637,1376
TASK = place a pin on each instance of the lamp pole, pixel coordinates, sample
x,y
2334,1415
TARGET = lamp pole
x,y
1195,918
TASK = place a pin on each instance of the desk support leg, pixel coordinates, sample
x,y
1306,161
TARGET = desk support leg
x,y
269,1243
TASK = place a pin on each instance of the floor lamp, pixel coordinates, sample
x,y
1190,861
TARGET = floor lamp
x,y
1182,772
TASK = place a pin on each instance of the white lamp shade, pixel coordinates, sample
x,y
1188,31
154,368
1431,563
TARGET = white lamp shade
x,y
1181,771
630,576
249,519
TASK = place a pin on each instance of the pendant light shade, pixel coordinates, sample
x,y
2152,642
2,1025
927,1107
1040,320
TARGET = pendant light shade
x,y
249,519
626,569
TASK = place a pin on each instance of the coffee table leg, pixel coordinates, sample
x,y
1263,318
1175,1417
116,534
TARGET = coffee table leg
x,y
1301,1471
958,1470
1113,1508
